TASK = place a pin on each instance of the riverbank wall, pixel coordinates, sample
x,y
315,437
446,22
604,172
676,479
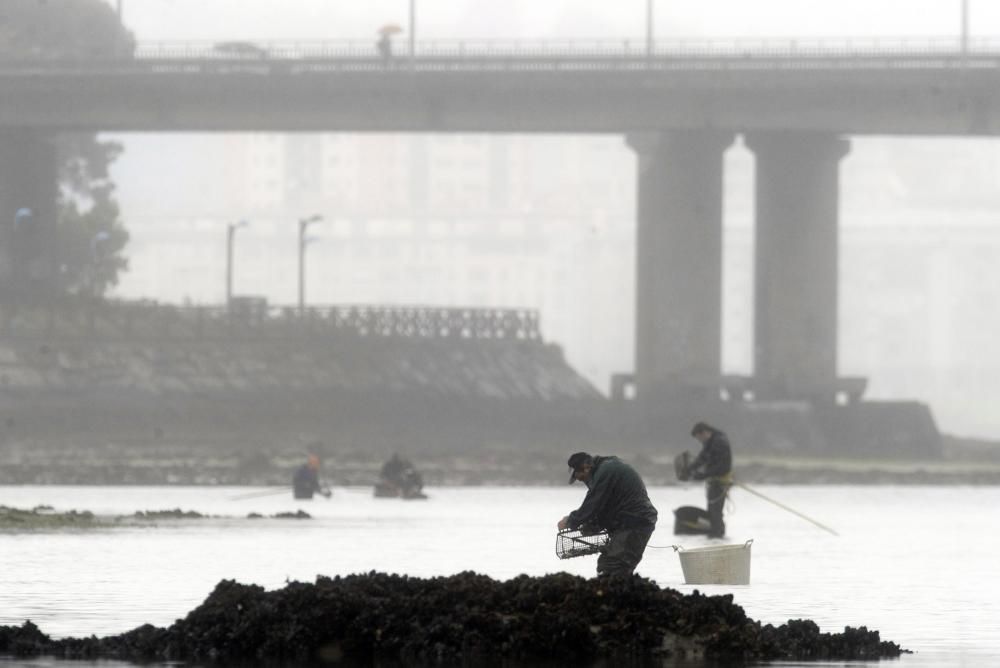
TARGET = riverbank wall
x,y
139,393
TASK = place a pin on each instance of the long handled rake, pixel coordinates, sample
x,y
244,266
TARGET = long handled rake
x,y
784,507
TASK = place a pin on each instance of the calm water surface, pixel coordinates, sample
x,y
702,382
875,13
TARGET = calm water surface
x,y
920,564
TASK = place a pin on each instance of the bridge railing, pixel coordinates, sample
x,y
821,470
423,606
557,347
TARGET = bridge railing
x,y
292,57
501,48
254,318
572,48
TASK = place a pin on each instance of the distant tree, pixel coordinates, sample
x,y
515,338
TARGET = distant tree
x,y
90,236
61,29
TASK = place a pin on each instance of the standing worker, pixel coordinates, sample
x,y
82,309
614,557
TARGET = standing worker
x,y
617,502
305,482
714,465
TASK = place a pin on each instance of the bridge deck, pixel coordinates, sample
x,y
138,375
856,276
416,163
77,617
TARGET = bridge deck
x,y
915,87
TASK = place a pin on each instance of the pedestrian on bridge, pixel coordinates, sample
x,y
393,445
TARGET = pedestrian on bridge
x,y
384,43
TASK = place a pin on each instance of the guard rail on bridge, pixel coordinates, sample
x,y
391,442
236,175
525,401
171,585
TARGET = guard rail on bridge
x,y
297,57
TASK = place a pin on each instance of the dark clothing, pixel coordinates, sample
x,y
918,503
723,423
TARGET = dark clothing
x,y
617,501
713,465
305,482
399,473
623,551
715,495
616,498
715,459
395,467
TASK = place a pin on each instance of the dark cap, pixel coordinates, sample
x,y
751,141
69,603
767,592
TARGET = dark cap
x,y
702,426
576,460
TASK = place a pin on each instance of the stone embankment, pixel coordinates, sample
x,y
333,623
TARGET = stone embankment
x,y
464,619
131,394
382,382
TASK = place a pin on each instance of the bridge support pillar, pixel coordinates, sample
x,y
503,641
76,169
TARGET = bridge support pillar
x,y
678,347
795,291
28,211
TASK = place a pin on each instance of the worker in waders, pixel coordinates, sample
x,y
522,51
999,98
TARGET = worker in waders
x,y
617,502
714,465
305,482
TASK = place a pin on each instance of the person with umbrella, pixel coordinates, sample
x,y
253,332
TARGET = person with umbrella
x,y
384,43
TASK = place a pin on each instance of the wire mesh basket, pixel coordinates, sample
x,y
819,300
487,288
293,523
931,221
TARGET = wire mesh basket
x,y
576,543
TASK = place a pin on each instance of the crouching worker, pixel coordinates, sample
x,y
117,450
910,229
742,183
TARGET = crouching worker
x,y
617,502
305,482
399,478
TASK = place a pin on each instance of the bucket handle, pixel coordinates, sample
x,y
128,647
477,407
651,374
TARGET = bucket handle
x,y
680,548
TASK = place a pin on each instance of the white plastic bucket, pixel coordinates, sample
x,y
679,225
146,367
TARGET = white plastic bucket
x,y
716,564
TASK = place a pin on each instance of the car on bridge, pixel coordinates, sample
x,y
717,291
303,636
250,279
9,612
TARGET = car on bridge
x,y
239,50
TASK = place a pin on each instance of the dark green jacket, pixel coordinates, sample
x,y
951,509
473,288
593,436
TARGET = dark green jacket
x,y
616,498
715,459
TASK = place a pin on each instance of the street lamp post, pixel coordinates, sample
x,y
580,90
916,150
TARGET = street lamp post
x,y
119,36
649,28
965,27
230,233
304,224
413,29
19,250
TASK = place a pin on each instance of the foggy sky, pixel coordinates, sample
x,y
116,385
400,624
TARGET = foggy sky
x,y
531,19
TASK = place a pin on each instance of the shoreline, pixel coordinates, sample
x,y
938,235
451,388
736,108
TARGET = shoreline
x,y
204,463
358,469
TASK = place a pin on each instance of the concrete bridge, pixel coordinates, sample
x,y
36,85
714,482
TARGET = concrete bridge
x,y
679,106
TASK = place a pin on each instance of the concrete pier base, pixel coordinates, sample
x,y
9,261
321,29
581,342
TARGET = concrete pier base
x,y
678,265
796,272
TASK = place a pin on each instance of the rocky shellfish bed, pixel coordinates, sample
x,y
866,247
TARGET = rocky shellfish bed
x,y
467,618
